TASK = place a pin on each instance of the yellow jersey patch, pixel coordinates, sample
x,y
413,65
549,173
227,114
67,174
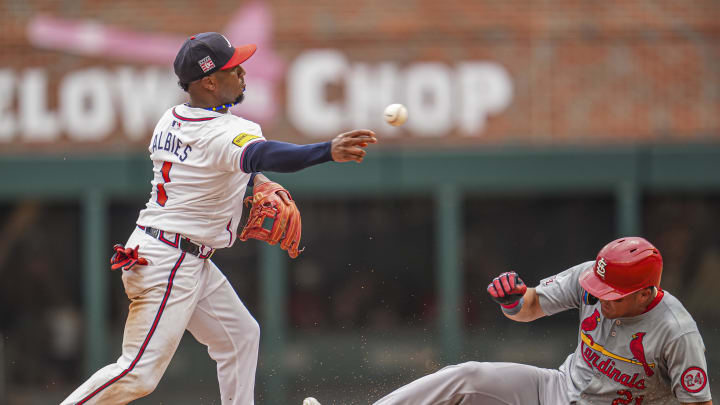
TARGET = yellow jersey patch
x,y
242,139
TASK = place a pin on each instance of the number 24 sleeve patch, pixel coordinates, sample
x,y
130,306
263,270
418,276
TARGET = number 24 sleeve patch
x,y
693,379
242,139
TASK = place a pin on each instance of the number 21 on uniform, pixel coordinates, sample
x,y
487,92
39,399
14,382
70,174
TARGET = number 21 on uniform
x,y
628,398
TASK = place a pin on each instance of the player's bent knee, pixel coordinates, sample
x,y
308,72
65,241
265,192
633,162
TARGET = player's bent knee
x,y
256,330
243,338
146,387
473,370
252,333
143,385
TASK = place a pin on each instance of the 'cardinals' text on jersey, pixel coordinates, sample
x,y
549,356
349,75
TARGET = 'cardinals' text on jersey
x,y
651,358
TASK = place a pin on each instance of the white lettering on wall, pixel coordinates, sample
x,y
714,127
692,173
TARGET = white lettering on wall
x,y
86,102
373,87
308,79
7,120
439,97
484,88
92,103
428,96
326,94
37,122
143,97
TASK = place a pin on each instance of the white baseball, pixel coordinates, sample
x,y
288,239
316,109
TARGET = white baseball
x,y
395,114
310,401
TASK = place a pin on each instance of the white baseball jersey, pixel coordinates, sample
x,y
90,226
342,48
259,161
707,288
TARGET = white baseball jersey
x,y
197,192
657,357
198,185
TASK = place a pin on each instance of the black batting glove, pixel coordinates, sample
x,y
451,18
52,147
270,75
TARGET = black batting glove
x,y
507,289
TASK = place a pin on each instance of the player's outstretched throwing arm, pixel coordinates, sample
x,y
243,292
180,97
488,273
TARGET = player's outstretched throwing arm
x,y
285,157
270,200
518,302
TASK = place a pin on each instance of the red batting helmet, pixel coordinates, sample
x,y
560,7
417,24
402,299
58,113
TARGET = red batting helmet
x,y
622,267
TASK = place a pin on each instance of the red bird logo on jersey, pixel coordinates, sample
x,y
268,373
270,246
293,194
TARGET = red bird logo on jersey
x,y
638,350
590,323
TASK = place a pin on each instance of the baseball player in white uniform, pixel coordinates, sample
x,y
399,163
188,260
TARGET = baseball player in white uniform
x,y
204,158
636,344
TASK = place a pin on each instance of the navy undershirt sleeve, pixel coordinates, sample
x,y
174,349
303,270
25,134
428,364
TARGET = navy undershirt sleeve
x,y
274,156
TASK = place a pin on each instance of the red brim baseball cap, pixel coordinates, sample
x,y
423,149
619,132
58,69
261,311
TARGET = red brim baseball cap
x,y
241,54
598,288
206,53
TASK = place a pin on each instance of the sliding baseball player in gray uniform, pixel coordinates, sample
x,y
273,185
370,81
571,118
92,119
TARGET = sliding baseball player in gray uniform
x,y
636,344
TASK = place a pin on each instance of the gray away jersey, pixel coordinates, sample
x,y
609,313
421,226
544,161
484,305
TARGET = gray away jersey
x,y
654,358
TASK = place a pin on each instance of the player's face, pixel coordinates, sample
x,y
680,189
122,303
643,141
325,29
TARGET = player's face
x,y
631,305
231,84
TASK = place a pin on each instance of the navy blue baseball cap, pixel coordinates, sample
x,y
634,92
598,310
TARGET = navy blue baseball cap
x,y
208,52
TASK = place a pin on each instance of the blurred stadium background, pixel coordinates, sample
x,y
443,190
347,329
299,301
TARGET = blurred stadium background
x,y
538,131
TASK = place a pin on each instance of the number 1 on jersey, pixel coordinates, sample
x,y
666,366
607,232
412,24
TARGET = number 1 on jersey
x,y
161,194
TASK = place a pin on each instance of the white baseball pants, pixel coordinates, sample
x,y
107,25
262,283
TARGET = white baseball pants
x,y
174,292
476,383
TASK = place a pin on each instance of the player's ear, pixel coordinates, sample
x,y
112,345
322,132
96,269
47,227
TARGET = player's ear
x,y
209,83
646,293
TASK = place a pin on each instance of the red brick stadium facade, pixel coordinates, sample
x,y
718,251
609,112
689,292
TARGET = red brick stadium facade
x,y
578,72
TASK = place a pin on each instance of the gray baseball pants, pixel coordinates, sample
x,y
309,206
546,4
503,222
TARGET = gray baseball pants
x,y
475,383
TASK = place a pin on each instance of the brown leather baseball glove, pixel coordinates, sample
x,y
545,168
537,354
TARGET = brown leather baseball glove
x,y
283,219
